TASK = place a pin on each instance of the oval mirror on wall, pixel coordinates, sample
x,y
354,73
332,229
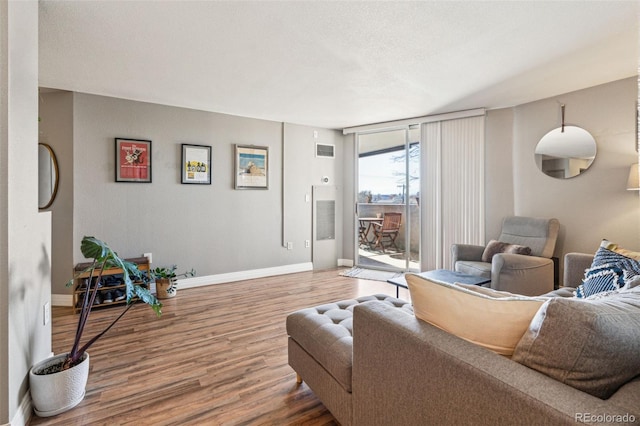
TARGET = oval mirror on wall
x,y
565,152
47,176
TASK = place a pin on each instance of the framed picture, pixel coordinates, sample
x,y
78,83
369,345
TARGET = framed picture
x,y
133,160
252,167
196,164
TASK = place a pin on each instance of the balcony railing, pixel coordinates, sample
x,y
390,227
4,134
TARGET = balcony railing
x,y
379,209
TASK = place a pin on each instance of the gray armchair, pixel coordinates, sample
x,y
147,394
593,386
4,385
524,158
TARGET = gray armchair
x,y
530,275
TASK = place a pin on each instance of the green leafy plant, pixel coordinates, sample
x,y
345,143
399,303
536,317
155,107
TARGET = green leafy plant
x,y
169,272
104,258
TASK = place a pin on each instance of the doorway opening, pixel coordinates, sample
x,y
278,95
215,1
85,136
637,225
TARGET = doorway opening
x,y
388,199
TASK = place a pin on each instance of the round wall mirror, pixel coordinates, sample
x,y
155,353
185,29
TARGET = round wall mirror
x,y
47,176
565,152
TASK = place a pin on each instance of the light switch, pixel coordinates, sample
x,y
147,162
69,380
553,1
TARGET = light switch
x,y
46,313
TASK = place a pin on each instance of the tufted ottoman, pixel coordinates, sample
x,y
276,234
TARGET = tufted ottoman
x,y
321,350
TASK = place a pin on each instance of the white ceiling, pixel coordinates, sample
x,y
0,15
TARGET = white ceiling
x,y
335,64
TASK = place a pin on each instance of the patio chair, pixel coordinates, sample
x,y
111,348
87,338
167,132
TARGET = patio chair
x,y
387,231
362,233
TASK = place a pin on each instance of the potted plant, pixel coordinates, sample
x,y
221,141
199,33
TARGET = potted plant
x,y
58,383
165,277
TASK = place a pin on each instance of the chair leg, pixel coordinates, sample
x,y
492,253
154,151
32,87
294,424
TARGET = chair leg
x,y
392,238
378,242
362,236
385,237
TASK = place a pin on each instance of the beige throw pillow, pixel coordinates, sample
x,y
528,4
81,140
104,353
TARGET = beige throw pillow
x,y
493,319
615,248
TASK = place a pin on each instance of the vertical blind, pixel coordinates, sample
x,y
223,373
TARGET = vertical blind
x,y
453,186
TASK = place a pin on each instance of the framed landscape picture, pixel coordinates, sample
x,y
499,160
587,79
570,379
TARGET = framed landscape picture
x,y
196,164
133,160
251,167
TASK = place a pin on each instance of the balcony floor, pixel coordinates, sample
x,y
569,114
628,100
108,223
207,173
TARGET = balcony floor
x,y
389,260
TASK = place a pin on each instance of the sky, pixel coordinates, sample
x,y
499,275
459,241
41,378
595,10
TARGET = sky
x,y
381,175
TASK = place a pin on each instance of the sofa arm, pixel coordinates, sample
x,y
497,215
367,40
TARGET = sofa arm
x,y
408,372
574,266
521,274
465,252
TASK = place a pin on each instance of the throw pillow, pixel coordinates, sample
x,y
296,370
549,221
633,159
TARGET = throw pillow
x,y
610,270
616,248
598,279
494,247
635,281
493,319
591,345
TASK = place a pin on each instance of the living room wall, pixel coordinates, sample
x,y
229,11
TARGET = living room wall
x,y
498,179
25,233
214,229
245,230
590,207
56,130
595,204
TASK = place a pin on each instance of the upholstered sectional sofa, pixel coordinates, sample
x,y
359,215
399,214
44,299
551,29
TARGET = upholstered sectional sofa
x,y
371,361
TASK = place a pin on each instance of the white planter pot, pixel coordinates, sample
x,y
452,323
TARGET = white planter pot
x,y
52,394
166,288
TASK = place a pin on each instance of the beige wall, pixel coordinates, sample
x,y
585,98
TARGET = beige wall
x,y
594,205
25,251
302,170
56,129
589,207
214,229
499,185
348,182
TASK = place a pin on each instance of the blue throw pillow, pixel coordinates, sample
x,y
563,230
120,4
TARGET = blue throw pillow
x,y
609,271
599,279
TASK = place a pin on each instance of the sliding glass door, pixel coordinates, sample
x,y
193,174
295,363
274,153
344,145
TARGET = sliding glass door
x,y
388,199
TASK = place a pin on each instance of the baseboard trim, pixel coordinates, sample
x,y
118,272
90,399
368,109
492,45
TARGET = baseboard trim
x,y
62,300
244,275
67,299
345,262
24,413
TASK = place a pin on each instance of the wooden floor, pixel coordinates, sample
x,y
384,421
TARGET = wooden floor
x,y
217,356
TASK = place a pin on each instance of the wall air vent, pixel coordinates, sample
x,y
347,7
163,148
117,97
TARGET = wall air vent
x,y
325,151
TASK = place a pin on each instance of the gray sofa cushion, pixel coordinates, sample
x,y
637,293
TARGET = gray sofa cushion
x,y
325,332
561,292
470,267
591,345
